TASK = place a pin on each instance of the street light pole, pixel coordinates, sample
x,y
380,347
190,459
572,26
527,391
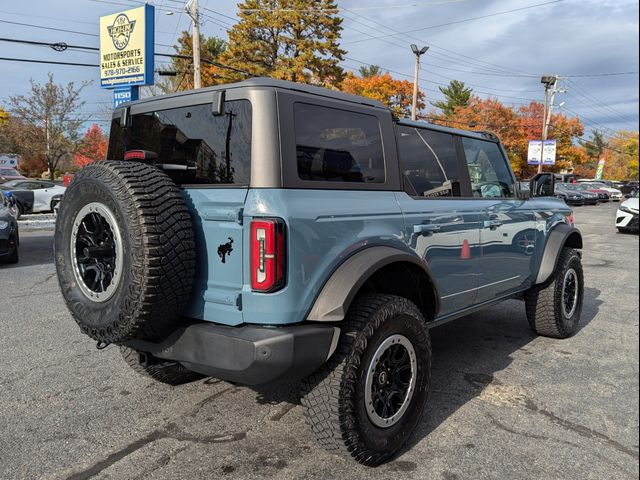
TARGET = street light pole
x,y
417,53
550,84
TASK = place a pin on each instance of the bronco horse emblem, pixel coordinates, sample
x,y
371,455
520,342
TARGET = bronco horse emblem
x,y
225,249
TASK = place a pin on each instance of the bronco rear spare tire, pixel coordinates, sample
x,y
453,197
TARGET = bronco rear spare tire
x,y
125,251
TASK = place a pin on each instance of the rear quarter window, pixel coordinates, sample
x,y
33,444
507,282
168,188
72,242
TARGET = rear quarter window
x,y
334,145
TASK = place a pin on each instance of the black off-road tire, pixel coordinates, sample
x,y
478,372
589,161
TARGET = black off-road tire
x,y
171,373
334,396
158,251
544,305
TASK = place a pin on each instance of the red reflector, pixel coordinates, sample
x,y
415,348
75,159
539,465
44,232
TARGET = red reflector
x,y
140,155
134,155
268,254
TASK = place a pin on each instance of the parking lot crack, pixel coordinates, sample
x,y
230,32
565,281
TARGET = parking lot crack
x,y
580,429
42,282
117,456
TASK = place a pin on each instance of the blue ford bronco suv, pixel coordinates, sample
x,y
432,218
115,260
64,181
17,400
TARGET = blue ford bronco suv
x,y
267,231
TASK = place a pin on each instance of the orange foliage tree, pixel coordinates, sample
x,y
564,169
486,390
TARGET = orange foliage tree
x,y
395,94
93,147
515,127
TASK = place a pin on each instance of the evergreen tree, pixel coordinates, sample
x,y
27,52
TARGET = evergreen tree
x,y
596,145
210,49
294,40
367,71
457,94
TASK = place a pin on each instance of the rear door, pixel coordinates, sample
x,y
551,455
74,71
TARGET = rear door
x,y
209,156
441,226
508,233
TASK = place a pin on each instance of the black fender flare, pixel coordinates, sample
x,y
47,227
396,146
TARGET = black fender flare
x,y
559,237
338,292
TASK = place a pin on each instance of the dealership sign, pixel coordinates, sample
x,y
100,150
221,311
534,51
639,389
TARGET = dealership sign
x,y
126,48
9,160
541,152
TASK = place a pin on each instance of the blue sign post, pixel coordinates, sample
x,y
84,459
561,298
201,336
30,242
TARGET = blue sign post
x,y
124,94
127,52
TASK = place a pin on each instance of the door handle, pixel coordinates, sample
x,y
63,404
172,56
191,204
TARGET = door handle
x,y
426,229
492,224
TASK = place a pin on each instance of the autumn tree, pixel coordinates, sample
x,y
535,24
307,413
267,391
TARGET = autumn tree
x,y
456,94
570,156
393,93
294,40
622,156
210,50
49,120
367,71
93,147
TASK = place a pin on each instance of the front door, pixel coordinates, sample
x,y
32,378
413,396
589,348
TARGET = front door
x,y
440,227
507,224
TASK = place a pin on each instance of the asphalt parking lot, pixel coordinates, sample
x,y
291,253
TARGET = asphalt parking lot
x,y
504,404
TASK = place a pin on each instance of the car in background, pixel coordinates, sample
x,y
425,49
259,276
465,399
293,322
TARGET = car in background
x,y
9,238
589,198
615,193
570,196
629,188
7,174
33,196
603,195
627,215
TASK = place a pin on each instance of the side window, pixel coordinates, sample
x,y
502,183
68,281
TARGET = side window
x,y
429,162
488,169
335,145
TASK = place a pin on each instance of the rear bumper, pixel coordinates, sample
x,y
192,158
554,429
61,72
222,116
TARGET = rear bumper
x,y
250,355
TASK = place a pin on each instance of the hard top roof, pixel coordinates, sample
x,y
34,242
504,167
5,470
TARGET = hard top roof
x,y
266,82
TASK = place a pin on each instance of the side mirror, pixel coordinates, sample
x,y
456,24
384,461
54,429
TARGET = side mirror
x,y
543,185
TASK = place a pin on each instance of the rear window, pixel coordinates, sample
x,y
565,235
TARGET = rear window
x,y
335,145
199,147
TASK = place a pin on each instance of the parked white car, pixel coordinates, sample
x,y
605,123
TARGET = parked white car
x,y
627,215
33,195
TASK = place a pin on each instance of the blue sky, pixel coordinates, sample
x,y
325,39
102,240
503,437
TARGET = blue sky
x,y
501,55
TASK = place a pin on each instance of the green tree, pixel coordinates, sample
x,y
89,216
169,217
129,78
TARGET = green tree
x,y
50,122
456,94
596,145
210,50
294,40
367,71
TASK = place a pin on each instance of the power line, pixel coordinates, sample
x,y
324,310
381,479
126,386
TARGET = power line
x,y
51,62
50,28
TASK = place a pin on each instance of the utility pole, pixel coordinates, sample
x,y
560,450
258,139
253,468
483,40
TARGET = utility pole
x,y
192,10
550,86
417,53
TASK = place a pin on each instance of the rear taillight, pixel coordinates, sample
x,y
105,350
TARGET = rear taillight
x,y
569,218
268,255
